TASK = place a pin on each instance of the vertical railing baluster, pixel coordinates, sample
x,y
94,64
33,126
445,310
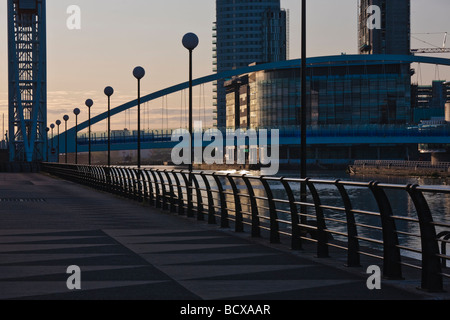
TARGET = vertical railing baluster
x,y
139,182
392,260
256,231
180,194
198,193
224,223
296,241
274,228
171,192
163,189
238,225
150,188
158,202
123,186
353,259
431,265
189,211
322,235
211,211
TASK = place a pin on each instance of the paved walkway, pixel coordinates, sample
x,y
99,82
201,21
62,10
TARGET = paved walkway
x,y
128,251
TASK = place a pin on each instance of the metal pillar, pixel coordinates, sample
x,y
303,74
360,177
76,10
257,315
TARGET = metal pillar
x,y
27,80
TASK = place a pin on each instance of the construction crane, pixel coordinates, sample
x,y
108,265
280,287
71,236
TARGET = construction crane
x,y
436,49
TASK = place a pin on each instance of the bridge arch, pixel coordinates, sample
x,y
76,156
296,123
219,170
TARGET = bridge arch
x,y
296,63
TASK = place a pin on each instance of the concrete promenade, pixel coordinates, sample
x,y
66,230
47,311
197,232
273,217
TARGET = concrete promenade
x,y
129,251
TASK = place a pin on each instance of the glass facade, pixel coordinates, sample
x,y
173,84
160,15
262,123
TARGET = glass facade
x,y
337,95
245,32
394,33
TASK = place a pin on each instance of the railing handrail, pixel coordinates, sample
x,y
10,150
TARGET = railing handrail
x,y
218,195
401,163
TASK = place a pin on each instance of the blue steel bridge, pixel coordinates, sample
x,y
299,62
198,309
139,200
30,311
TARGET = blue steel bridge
x,y
336,135
327,135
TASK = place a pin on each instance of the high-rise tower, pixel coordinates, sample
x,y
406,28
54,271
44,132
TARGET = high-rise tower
x,y
27,63
245,32
385,27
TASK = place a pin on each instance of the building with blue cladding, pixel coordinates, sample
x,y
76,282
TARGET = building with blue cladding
x,y
344,92
340,92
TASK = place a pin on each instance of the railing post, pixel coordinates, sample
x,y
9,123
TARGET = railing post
x,y
198,193
224,223
431,265
124,184
211,211
158,202
239,226
163,189
189,193
274,228
109,182
296,241
139,181
151,198
392,260
129,185
189,214
145,183
322,235
180,194
133,184
171,192
353,259
256,231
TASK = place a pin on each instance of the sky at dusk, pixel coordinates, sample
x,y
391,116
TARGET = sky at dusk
x,y
117,35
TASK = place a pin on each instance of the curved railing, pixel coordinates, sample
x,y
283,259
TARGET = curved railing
x,y
272,207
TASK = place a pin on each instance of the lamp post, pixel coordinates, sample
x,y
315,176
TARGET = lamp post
x,y
66,118
58,123
303,149
89,103
76,112
139,73
190,42
109,91
47,130
52,126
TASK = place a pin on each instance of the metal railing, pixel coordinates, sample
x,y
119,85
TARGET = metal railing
x,y
401,164
271,205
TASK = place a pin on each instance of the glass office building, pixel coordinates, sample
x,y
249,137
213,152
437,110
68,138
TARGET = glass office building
x,y
348,93
245,32
390,35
